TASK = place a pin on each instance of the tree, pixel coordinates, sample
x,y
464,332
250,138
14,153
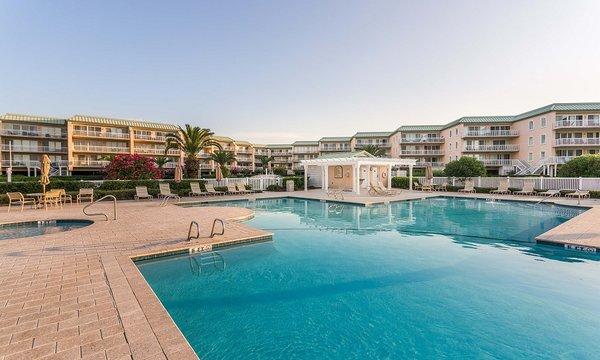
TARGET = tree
x,y
264,161
464,168
374,150
161,161
223,158
584,166
191,141
132,167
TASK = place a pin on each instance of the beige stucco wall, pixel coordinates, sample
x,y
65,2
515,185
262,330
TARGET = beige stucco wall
x,y
536,133
453,143
343,183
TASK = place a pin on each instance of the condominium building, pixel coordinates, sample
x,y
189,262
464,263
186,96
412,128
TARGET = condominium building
x,y
533,142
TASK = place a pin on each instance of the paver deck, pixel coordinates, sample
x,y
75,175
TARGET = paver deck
x,y
78,294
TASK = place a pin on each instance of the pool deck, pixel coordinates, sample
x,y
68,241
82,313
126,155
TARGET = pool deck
x,y
78,294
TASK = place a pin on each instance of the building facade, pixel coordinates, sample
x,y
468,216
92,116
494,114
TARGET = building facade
x,y
535,142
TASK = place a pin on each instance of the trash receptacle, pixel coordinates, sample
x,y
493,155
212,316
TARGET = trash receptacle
x,y
289,185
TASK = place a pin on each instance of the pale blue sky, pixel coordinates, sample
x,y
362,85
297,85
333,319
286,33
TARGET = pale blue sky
x,y
276,71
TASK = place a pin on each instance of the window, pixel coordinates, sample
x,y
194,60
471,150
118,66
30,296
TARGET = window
x,y
531,141
543,139
530,156
543,122
530,124
543,154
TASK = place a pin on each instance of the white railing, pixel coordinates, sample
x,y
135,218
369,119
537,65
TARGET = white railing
x,y
434,164
490,133
546,183
257,183
478,148
421,152
577,123
577,141
497,162
149,137
101,149
102,134
155,151
19,148
422,140
91,163
7,132
31,163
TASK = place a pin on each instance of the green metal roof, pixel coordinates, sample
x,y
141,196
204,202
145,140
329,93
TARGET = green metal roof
x,y
592,106
349,154
122,122
33,119
222,138
279,146
407,128
481,120
243,142
335,139
306,143
374,134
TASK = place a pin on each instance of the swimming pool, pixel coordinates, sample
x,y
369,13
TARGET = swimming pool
x,y
36,228
434,278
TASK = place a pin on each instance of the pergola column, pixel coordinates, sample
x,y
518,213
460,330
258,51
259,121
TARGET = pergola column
x,y
305,177
389,184
410,180
326,177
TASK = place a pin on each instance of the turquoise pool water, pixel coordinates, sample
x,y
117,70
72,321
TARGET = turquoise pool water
x,y
35,228
437,278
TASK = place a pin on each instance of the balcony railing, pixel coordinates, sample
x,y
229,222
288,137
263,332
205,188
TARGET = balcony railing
x,y
156,151
435,164
490,148
491,133
335,148
91,163
101,134
33,149
419,140
149,137
7,132
31,163
497,162
382,145
577,141
101,149
421,152
577,123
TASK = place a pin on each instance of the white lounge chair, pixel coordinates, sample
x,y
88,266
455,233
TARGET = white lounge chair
x,y
579,194
550,193
85,195
502,188
210,188
141,192
527,189
165,191
196,191
241,187
469,187
232,190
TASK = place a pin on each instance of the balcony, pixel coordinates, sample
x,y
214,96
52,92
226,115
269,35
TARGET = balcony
x,y
149,137
497,162
36,134
434,164
31,163
280,153
156,151
577,142
332,148
422,152
491,133
100,134
102,149
33,149
91,163
491,148
381,145
422,140
569,124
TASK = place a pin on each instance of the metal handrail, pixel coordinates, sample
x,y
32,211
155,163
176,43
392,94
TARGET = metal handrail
x,y
114,199
190,237
212,231
166,199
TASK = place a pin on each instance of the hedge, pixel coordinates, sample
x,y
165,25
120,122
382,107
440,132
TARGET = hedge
x,y
400,182
298,181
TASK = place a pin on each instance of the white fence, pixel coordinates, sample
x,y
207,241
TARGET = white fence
x,y
549,183
257,183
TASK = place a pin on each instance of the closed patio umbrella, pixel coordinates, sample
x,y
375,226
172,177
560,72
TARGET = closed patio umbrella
x,y
45,179
218,173
429,174
178,172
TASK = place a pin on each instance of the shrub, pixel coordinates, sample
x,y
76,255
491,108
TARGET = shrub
x,y
281,171
584,166
465,167
400,182
132,167
298,181
275,187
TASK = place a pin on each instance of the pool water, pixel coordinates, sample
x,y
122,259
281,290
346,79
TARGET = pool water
x,y
436,278
42,227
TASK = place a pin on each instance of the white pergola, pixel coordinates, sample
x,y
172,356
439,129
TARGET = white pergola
x,y
357,160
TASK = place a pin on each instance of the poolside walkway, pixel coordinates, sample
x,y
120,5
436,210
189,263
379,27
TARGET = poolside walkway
x,y
78,294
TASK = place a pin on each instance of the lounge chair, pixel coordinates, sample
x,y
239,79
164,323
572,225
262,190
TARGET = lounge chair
x,y
242,188
527,189
232,190
141,192
52,198
417,186
85,195
210,188
441,187
16,198
64,197
502,188
469,187
196,191
579,194
165,191
550,193
389,191
378,189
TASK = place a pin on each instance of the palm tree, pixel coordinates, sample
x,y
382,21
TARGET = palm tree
x,y
191,141
264,161
374,150
223,158
161,161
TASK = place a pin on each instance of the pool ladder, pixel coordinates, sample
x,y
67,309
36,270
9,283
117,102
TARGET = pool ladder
x,y
114,200
195,225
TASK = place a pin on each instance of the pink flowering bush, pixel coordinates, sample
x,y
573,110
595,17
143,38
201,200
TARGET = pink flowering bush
x,y
132,167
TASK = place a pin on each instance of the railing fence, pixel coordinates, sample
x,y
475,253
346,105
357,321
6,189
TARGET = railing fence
x,y
547,183
257,183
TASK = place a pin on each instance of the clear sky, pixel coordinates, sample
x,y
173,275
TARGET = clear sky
x,y
277,71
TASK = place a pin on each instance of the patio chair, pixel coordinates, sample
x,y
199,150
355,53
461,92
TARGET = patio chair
x,y
64,197
389,191
232,190
378,189
85,195
416,185
527,189
52,198
242,188
141,192
441,187
579,194
210,188
16,198
550,193
502,188
469,187
165,191
196,191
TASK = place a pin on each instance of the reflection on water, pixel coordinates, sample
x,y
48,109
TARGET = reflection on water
x,y
206,264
